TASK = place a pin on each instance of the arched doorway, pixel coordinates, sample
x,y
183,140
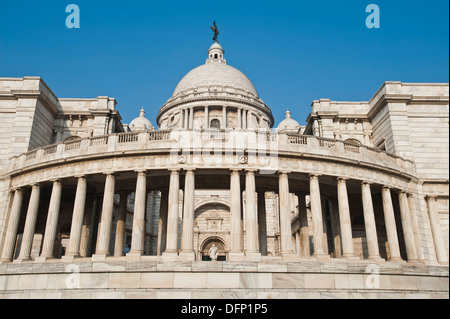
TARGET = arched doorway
x,y
207,246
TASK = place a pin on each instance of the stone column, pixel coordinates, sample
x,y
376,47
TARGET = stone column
x,y
162,223
285,215
262,222
224,118
244,119
206,117
88,225
138,234
408,231
30,223
252,251
391,228
120,226
239,118
172,215
187,234
191,118
13,224
77,218
236,224
345,220
305,250
438,237
186,118
369,220
106,217
52,221
316,214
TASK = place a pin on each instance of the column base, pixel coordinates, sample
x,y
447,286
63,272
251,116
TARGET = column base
x,y
322,257
99,257
236,256
43,259
350,257
186,256
5,261
397,260
169,256
376,259
134,255
70,258
253,256
21,260
413,261
289,256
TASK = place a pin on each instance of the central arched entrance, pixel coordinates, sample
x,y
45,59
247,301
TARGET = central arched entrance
x,y
211,226
207,246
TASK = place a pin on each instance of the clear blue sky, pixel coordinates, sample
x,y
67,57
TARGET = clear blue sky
x,y
293,51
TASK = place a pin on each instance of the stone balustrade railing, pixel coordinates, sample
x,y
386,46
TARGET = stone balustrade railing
x,y
248,140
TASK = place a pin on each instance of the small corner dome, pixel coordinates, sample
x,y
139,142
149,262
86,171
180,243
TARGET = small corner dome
x,y
289,124
141,123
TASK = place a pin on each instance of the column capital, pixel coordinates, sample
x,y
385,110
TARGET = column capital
x,y
342,179
141,172
56,180
189,171
174,171
78,176
284,172
366,183
110,173
431,197
250,171
314,176
236,171
36,185
387,187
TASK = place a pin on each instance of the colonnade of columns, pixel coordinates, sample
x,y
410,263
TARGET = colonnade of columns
x,y
187,121
252,249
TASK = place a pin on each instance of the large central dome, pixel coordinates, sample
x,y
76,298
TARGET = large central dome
x,y
215,74
215,95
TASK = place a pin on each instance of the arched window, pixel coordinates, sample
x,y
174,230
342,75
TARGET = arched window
x,y
353,141
215,56
215,124
72,138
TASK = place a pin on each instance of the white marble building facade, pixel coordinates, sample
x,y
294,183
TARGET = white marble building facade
x,y
361,183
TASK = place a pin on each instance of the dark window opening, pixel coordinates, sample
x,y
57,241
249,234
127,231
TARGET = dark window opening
x,y
215,124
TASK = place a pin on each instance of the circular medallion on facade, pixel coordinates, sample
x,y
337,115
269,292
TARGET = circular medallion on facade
x,y
243,159
182,159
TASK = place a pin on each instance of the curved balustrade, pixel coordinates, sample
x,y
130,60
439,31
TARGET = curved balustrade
x,y
275,144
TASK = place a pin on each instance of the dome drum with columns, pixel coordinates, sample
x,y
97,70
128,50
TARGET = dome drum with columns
x,y
293,210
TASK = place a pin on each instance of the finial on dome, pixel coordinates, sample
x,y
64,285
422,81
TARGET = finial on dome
x,y
142,112
288,114
215,29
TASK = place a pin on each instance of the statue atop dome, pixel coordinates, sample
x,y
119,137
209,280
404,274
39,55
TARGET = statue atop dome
x,y
215,29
